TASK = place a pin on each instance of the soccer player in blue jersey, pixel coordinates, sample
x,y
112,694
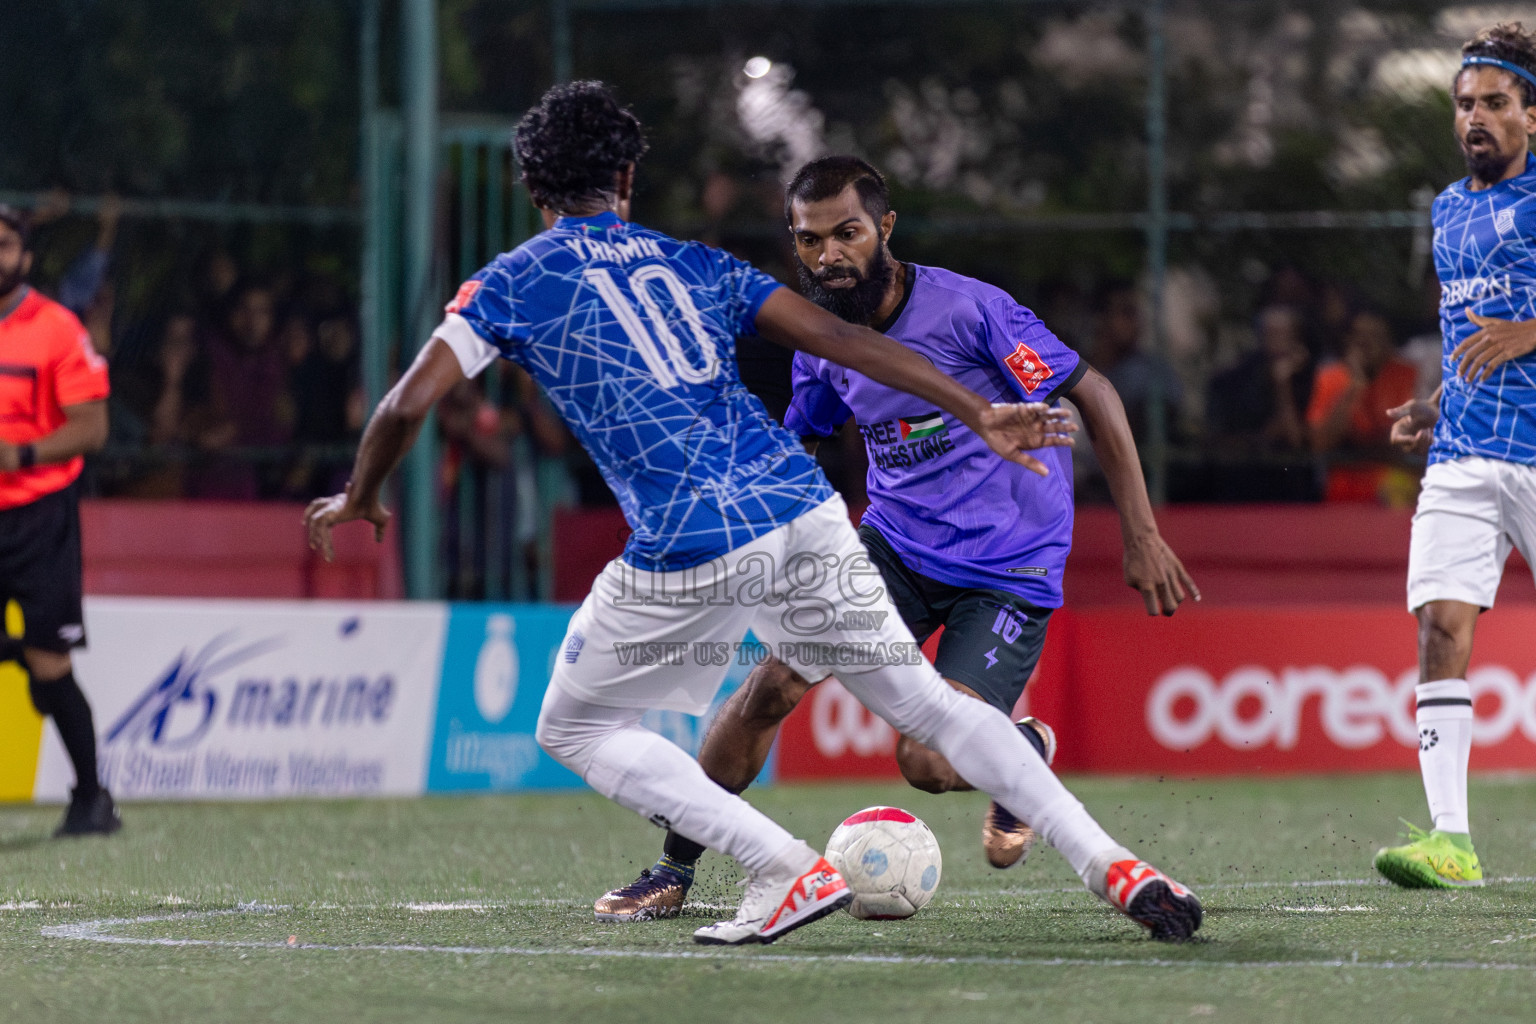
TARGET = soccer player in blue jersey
x,y
630,333
1479,493
963,541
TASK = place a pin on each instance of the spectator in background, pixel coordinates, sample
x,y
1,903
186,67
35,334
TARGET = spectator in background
x,y
84,282
250,405
1258,408
477,452
1115,351
1260,403
1337,305
328,404
164,407
1348,414
84,289
217,276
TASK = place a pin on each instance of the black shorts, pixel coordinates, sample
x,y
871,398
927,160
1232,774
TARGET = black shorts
x,y
40,572
992,639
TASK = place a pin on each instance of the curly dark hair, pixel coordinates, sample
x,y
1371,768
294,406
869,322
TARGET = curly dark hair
x,y
572,144
1508,41
828,176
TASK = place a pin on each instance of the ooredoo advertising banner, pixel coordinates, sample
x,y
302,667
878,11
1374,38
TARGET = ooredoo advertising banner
x,y
255,699
1222,691
1219,690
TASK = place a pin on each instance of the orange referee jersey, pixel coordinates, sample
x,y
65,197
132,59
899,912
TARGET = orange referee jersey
x,y
46,363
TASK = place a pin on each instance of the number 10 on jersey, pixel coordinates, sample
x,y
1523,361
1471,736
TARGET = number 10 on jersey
x,y
675,365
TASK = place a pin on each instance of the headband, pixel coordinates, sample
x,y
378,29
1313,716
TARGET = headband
x,y
1513,69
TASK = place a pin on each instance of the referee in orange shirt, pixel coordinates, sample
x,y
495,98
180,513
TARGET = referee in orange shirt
x,y
53,409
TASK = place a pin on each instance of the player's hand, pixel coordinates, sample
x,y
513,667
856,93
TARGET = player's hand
x,y
10,457
1413,423
1495,343
1152,568
323,514
1017,429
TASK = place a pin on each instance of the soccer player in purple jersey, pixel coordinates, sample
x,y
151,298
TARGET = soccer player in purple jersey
x,y
631,335
961,541
1479,494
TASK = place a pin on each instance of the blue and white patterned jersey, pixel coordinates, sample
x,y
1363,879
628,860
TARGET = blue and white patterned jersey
x,y
1485,254
632,335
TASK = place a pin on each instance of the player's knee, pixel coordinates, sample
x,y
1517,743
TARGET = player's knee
x,y
557,737
772,691
1445,634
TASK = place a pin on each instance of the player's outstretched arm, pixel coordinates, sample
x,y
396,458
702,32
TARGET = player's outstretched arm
x,y
1151,567
1010,430
389,435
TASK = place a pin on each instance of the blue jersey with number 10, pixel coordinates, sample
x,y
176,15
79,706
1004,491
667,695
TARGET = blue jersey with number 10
x,y
1485,254
632,335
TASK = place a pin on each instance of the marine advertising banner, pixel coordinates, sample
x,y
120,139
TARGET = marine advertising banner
x,y
224,700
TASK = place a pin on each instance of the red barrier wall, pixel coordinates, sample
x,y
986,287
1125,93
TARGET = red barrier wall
x,y
1222,691
1267,554
1238,554
227,549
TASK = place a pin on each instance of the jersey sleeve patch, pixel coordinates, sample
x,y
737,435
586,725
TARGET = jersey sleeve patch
x,y
1028,368
464,296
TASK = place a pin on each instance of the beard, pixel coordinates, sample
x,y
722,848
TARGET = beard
x,y
1487,166
856,304
11,278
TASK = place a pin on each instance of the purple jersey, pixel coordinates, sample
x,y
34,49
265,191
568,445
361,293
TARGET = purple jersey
x,y
950,507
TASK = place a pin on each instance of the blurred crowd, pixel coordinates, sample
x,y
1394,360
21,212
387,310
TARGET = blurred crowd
x,y
1289,405
247,387
237,387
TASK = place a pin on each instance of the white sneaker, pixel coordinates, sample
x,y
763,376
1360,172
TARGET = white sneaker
x,y
777,906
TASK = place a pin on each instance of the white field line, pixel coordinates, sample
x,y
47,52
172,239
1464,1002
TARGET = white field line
x,y
102,931
1199,887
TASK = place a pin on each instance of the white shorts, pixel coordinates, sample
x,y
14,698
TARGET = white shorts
x,y
1471,512
665,640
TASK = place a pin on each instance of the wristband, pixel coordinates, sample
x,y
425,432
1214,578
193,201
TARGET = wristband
x,y
26,456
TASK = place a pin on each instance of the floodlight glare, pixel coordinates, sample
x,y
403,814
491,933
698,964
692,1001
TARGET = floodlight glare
x,y
757,67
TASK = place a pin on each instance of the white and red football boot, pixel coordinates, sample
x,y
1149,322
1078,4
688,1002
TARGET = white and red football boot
x,y
1150,898
773,907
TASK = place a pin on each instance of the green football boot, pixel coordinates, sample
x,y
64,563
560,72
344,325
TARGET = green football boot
x,y
1430,860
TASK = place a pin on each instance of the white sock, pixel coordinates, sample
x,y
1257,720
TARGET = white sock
x,y
989,753
636,768
1444,718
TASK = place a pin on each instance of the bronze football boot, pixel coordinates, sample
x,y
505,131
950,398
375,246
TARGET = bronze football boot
x,y
656,894
1005,839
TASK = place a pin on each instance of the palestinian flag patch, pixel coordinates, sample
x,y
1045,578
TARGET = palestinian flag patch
x,y
921,426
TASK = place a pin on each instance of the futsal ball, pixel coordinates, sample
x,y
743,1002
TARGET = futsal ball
x,y
890,860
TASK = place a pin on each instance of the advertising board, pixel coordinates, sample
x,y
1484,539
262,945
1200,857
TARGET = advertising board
x,y
261,700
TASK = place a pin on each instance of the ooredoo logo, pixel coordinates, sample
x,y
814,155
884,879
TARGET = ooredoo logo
x,y
1356,707
839,723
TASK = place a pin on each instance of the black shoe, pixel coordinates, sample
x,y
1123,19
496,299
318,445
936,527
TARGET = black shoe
x,y
92,816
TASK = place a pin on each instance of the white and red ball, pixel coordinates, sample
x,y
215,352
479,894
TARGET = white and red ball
x,y
890,860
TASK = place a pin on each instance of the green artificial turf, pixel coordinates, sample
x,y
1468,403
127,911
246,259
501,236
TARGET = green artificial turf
x,y
480,909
